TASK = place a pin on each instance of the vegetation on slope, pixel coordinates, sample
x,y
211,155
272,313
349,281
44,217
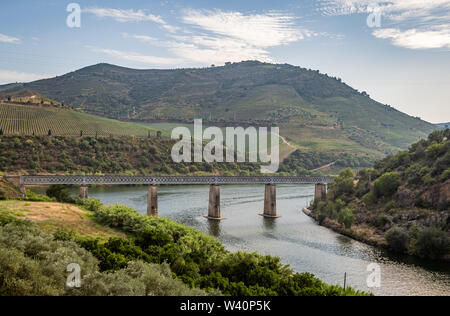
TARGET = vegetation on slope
x,y
27,119
402,203
311,108
34,263
103,155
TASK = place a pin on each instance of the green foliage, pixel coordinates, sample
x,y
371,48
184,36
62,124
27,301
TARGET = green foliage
x,y
33,197
102,155
60,193
346,217
397,239
431,243
34,263
89,204
3,194
387,184
343,185
198,260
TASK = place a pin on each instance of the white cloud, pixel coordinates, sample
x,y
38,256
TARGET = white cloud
x,y
8,76
216,36
416,39
125,15
136,57
262,30
142,38
414,24
9,39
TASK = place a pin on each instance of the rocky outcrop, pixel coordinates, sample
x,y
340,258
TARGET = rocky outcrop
x,y
437,196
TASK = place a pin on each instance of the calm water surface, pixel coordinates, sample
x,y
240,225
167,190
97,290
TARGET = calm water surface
x,y
294,237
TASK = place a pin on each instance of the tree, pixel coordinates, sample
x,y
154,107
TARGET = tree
x,y
432,243
397,239
60,193
1,132
49,132
387,184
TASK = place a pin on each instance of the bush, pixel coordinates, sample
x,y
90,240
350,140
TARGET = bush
x,y
89,204
60,193
432,243
387,184
369,198
397,239
33,197
3,195
346,217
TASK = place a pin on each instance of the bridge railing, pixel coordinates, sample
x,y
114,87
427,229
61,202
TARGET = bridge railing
x,y
172,180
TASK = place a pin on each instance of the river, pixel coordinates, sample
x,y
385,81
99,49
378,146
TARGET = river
x,y
295,238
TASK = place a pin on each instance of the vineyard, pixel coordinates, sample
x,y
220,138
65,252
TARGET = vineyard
x,y
37,120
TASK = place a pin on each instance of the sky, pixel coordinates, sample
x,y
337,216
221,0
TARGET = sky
x,y
398,51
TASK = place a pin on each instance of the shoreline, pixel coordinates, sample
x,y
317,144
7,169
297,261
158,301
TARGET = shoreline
x,y
360,236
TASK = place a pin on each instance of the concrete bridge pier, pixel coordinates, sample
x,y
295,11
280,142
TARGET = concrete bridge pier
x,y
270,202
214,203
152,201
84,191
320,193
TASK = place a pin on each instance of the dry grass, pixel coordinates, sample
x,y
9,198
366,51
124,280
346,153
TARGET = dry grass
x,y
52,216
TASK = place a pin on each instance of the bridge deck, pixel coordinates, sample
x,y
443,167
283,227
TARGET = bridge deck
x,y
170,180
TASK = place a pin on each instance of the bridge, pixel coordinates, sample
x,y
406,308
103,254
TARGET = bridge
x,y
270,206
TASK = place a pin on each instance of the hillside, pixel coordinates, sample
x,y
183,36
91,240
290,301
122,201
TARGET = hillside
x,y
314,111
103,155
403,203
124,253
39,119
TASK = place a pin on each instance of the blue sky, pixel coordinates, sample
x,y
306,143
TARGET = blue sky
x,y
403,61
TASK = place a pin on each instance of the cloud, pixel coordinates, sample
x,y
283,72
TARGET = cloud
x,y
416,39
262,30
124,15
218,36
142,38
7,76
414,24
136,57
9,39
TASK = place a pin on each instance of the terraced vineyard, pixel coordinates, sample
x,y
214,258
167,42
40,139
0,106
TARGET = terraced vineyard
x,y
38,120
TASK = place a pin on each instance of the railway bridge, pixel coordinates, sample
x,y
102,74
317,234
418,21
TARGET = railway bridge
x,y
270,182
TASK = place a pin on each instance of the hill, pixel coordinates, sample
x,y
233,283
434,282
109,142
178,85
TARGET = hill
x,y
403,203
443,125
34,118
103,155
315,112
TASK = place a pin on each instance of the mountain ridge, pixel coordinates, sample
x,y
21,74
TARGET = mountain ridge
x,y
314,111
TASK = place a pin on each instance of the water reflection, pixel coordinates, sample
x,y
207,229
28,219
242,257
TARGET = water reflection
x,y
214,228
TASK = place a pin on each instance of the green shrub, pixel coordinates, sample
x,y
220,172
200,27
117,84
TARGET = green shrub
x,y
346,217
60,193
3,194
369,198
397,239
432,243
387,184
389,206
89,204
33,197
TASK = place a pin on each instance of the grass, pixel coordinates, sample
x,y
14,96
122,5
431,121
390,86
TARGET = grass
x,y
53,216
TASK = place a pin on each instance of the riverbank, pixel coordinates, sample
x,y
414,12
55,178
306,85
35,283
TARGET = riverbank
x,y
364,234
361,232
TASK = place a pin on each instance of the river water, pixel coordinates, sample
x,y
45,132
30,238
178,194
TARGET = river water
x,y
295,238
